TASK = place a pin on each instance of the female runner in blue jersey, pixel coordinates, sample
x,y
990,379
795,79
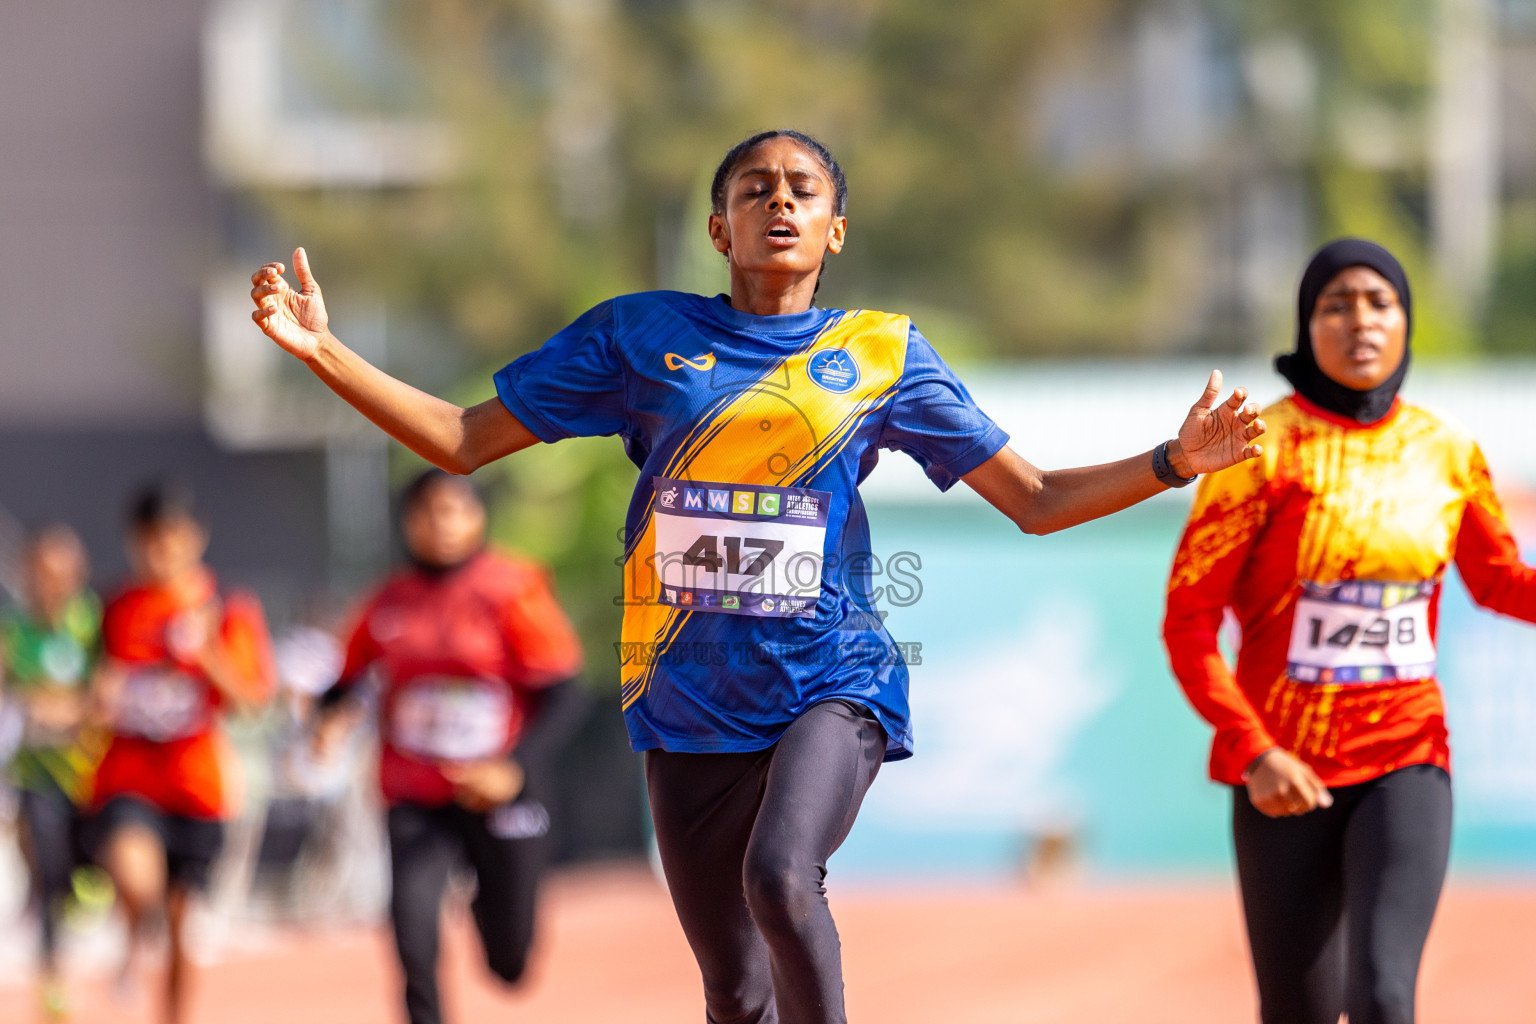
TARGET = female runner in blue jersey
x,y
763,692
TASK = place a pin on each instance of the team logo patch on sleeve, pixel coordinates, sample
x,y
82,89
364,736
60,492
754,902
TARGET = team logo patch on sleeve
x,y
834,370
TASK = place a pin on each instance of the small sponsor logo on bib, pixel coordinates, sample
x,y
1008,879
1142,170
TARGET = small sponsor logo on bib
x,y
802,506
833,370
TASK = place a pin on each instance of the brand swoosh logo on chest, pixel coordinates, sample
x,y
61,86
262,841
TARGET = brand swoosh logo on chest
x,y
704,362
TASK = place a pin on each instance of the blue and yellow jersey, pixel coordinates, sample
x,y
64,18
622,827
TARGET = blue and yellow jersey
x,y
749,580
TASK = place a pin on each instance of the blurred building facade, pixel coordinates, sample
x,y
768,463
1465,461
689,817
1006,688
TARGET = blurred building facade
x,y
110,223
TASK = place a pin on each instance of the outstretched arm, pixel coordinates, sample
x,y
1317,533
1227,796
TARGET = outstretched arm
x,y
450,437
1214,435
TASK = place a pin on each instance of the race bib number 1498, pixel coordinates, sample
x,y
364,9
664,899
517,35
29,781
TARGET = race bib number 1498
x,y
745,549
1362,631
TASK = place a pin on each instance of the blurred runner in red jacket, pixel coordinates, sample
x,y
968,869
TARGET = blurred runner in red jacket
x,y
475,661
179,655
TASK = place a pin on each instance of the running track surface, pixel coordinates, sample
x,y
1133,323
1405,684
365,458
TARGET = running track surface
x,y
611,951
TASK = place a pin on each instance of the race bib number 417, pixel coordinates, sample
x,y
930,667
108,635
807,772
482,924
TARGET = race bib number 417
x,y
1362,631
744,549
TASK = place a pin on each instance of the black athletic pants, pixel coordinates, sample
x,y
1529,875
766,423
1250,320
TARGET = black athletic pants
x,y
744,842
48,818
506,849
1339,900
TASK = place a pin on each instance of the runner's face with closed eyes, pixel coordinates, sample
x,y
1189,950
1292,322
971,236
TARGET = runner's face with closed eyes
x,y
780,212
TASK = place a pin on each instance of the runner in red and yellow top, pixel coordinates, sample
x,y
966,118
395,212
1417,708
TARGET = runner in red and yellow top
x,y
1330,551
476,665
179,655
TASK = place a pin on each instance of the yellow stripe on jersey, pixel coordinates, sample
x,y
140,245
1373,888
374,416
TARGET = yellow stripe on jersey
x,y
771,434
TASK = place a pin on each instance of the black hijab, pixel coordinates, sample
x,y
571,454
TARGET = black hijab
x,y
1300,367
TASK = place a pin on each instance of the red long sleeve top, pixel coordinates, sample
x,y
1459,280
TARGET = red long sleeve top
x,y
1329,551
167,746
460,656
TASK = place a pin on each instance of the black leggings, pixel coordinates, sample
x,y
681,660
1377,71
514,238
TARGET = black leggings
x,y
506,849
1339,900
48,819
744,841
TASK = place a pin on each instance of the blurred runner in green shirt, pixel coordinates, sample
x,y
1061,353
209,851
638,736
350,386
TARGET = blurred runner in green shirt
x,y
48,647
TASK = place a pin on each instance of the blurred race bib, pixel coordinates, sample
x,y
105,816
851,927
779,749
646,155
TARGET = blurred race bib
x,y
63,660
441,718
161,704
738,548
1362,631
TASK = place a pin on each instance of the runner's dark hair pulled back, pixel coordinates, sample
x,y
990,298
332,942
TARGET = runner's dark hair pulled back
x,y
427,479
161,502
744,148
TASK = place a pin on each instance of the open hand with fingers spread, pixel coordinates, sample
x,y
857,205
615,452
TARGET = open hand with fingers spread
x,y
1216,434
296,320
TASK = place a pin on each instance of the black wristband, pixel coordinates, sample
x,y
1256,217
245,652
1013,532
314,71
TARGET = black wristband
x,y
1164,471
